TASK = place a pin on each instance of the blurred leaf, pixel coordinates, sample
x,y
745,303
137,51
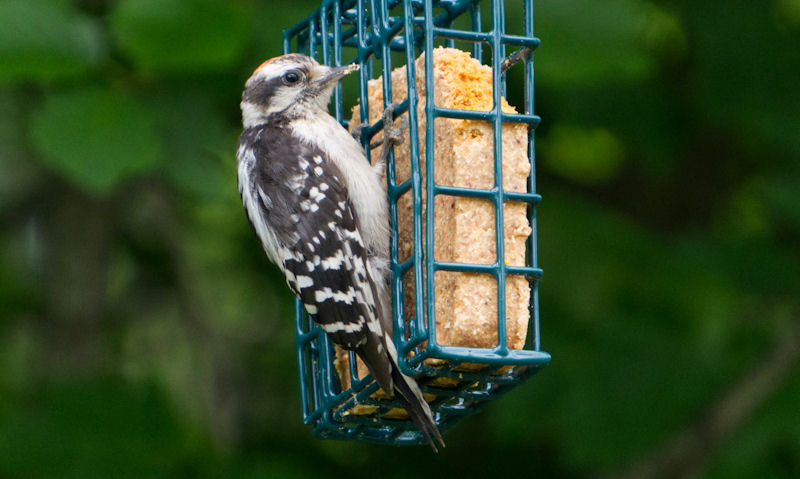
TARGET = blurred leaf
x,y
267,23
17,355
98,428
44,40
283,466
746,72
639,114
782,195
18,175
198,144
21,252
588,42
96,137
759,264
787,13
647,327
159,346
251,314
662,32
746,214
180,35
583,155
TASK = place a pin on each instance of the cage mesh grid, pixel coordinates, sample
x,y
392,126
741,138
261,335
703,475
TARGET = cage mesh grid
x,y
367,32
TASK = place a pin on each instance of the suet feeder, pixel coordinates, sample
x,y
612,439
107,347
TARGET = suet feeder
x,y
461,379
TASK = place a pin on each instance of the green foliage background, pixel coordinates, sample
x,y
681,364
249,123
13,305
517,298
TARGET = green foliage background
x,y
143,333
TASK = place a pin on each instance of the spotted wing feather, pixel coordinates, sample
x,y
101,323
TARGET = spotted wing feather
x,y
303,200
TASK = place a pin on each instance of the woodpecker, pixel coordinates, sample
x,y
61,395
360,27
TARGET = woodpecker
x,y
321,215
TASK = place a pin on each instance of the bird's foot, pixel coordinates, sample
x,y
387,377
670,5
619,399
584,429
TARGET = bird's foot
x,y
357,131
391,135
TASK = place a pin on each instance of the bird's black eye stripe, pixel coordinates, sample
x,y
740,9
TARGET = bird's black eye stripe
x,y
292,77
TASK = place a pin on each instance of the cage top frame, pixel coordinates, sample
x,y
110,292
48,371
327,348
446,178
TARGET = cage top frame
x,y
368,27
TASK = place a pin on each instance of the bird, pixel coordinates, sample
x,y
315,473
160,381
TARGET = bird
x,y
320,213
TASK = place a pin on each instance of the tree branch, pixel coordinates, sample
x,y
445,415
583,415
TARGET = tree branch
x,y
686,453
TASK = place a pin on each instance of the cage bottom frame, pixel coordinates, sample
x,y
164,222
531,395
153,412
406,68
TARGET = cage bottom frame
x,y
455,389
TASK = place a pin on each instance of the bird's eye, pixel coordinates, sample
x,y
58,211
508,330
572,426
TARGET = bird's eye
x,y
291,77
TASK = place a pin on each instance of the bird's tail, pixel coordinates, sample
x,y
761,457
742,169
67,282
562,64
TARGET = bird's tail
x,y
380,356
410,396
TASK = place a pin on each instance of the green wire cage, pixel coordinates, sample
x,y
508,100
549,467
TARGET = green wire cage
x,y
374,32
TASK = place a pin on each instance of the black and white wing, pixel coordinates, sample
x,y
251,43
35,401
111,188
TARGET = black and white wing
x,y
328,268
297,202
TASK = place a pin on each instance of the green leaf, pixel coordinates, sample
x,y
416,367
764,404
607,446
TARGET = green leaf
x,y
180,35
588,42
102,427
96,138
199,145
18,175
45,40
747,85
787,13
782,195
586,156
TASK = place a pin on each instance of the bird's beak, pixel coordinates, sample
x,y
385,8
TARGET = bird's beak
x,y
335,74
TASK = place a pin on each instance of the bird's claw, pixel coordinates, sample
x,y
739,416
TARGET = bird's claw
x,y
357,131
391,135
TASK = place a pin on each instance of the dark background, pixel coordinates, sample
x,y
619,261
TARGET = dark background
x,y
144,334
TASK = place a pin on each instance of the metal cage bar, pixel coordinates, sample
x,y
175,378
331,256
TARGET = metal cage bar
x,y
368,32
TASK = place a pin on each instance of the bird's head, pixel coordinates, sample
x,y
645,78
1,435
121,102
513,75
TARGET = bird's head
x,y
291,86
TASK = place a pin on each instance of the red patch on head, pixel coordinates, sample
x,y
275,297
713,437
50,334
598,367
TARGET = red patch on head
x,y
271,60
